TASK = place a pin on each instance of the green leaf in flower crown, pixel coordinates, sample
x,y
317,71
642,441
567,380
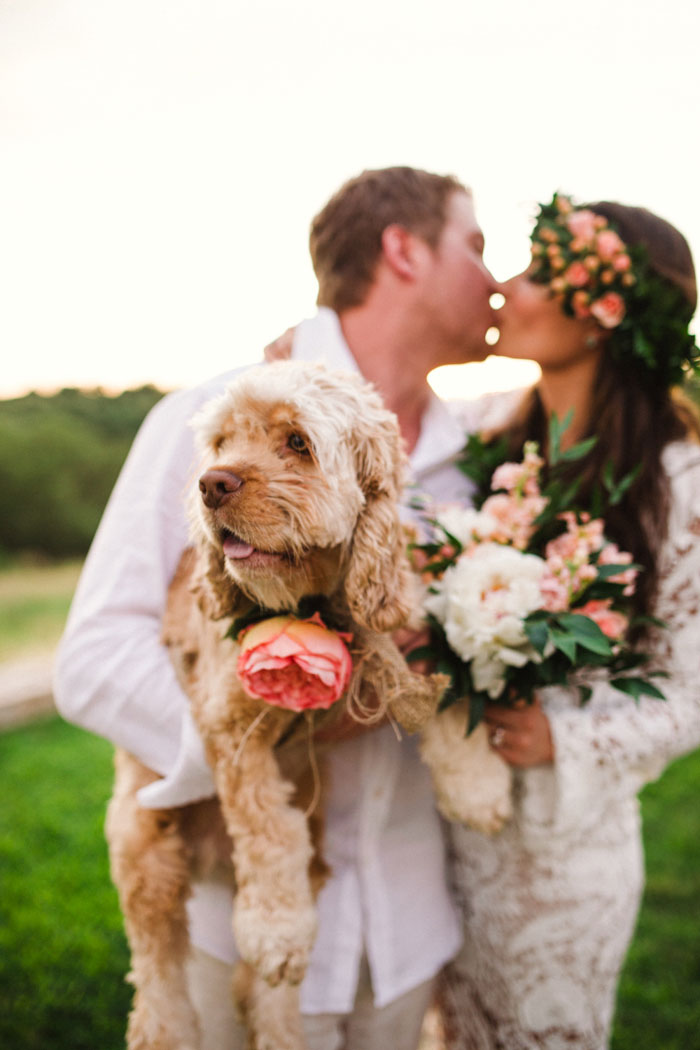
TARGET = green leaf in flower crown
x,y
585,693
565,643
637,687
586,632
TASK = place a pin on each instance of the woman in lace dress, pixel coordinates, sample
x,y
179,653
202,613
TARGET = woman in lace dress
x,y
550,903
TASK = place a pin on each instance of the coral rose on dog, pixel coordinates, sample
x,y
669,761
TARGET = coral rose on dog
x,y
296,664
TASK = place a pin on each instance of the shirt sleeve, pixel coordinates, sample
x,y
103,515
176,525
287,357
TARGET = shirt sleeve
x,y
613,745
113,676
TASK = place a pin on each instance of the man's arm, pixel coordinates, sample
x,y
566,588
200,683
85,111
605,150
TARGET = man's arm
x,y
113,675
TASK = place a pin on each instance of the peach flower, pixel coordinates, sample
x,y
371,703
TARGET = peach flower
x,y
296,664
580,301
609,310
612,624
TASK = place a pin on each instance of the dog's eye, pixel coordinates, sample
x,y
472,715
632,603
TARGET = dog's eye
x,y
298,444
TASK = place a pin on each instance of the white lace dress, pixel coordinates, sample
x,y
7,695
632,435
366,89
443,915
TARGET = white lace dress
x,y
550,903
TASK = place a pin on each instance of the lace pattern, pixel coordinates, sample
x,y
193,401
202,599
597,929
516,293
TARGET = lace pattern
x,y
550,904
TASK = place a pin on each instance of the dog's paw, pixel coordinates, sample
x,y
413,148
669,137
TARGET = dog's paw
x,y
419,701
276,940
473,785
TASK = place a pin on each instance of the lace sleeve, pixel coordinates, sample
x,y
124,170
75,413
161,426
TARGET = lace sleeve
x,y
614,745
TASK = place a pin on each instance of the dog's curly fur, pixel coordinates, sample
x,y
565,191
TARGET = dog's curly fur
x,y
320,468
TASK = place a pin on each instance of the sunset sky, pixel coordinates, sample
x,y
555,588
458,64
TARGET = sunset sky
x,y
160,160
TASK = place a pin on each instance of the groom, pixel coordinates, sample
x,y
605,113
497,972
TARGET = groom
x,y
402,289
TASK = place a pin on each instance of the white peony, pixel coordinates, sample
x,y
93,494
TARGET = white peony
x,y
466,524
481,602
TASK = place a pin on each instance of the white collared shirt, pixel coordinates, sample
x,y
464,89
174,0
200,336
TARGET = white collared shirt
x,y
387,895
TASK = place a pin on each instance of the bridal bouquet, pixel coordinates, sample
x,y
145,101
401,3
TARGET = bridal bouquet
x,y
526,591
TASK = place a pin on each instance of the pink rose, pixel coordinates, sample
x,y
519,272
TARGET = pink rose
x,y
582,223
609,310
612,624
296,664
576,275
608,244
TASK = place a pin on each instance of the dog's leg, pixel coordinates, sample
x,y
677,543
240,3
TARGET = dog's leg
x,y
412,698
271,1015
473,785
274,919
149,865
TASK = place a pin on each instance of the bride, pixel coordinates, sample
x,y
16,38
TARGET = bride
x,y
549,905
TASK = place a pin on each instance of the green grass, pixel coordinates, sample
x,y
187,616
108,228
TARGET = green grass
x,y
34,602
63,955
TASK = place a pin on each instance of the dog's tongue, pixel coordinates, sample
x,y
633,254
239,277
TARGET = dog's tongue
x,y
235,548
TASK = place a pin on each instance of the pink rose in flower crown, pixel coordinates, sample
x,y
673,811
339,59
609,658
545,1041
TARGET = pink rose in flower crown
x,y
577,275
297,664
609,310
582,224
608,244
613,624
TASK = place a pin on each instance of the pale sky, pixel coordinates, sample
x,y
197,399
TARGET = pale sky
x,y
160,160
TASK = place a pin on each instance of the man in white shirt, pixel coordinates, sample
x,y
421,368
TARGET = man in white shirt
x,y
402,289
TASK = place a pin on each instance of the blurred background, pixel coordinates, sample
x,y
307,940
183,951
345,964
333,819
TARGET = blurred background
x,y
160,161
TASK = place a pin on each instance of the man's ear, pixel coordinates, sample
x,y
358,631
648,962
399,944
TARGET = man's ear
x,y
399,249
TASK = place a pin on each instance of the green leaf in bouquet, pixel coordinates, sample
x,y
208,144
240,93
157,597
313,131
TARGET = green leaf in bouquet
x,y
585,693
556,430
577,451
476,711
637,687
606,571
565,643
617,491
586,632
538,633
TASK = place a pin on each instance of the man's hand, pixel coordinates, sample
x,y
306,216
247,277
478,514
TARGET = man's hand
x,y
521,735
281,348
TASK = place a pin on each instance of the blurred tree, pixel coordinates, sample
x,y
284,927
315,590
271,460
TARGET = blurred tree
x,y
59,459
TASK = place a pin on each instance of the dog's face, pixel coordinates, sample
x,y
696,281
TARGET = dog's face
x,y
295,457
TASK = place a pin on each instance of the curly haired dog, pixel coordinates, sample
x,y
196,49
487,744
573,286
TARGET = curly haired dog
x,y
300,480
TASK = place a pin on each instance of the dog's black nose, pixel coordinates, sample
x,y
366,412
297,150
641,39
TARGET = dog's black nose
x,y
217,486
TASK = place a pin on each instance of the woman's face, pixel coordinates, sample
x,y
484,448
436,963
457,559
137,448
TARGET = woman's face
x,y
533,325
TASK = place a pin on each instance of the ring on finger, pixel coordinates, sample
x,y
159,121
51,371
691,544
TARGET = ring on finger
x,y
498,736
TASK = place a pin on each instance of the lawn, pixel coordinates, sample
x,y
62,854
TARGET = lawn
x,y
34,601
62,952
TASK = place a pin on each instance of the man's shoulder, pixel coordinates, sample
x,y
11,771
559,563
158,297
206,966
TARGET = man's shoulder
x,y
183,403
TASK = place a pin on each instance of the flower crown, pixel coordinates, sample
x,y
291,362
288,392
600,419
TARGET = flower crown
x,y
593,273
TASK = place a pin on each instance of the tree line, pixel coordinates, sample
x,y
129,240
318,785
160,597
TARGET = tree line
x,y
59,458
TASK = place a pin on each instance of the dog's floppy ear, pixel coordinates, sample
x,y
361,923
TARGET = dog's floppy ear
x,y
378,583
216,593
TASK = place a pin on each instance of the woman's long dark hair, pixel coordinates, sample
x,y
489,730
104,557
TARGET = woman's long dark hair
x,y
632,419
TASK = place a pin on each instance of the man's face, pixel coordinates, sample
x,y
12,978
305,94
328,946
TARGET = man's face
x,y
457,286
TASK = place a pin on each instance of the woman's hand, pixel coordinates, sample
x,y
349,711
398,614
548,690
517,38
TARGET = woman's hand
x,y
521,735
